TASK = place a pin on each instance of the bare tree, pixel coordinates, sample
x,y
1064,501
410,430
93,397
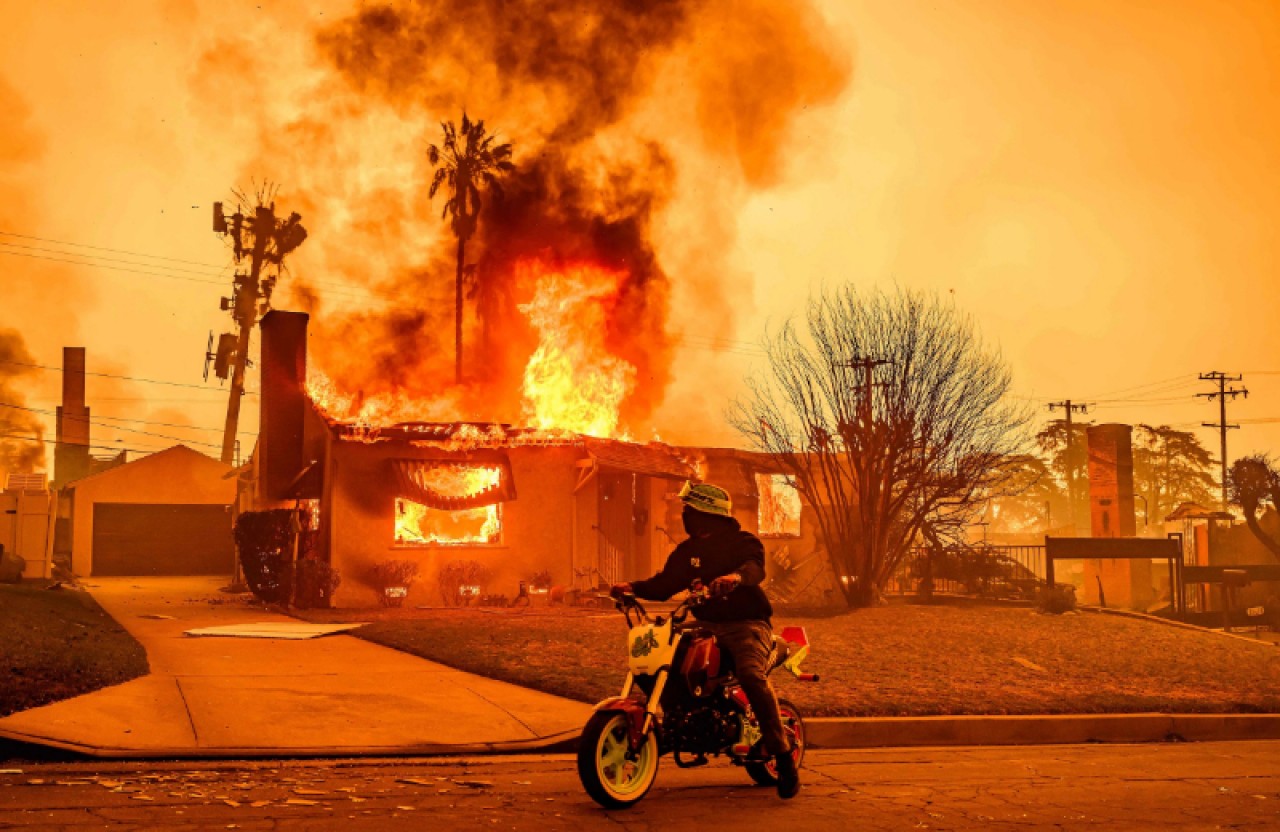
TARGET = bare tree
x,y
1253,483
890,415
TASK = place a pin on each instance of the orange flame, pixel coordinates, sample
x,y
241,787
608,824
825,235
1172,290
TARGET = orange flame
x,y
779,506
572,382
419,525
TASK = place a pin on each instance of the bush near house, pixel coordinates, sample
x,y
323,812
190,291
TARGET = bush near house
x,y
895,660
392,578
57,644
265,540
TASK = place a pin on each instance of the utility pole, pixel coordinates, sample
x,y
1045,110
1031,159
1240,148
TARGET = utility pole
x,y
867,365
1069,408
1221,394
265,241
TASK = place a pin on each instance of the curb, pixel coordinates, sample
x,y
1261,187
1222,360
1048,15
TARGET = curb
x,y
16,744
1057,729
824,733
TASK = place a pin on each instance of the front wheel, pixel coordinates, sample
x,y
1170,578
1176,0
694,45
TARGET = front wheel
x,y
607,773
766,774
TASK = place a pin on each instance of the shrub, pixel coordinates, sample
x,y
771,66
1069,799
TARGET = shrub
x,y
265,542
461,581
1057,599
392,573
314,583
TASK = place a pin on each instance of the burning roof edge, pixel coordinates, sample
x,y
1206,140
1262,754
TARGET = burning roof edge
x,y
653,458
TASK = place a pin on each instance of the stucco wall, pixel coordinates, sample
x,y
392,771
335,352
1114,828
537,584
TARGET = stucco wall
x,y
537,527
176,475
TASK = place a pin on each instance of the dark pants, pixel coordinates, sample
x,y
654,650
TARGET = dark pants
x,y
751,645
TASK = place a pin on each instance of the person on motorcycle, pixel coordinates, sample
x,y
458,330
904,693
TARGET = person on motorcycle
x,y
729,562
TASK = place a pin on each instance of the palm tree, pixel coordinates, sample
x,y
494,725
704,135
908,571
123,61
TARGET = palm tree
x,y
465,162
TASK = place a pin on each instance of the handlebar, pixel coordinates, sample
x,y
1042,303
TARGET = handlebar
x,y
627,601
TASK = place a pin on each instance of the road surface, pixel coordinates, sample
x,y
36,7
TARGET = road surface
x,y
1114,787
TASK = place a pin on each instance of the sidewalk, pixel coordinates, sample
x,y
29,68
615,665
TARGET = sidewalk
x,y
246,697
340,696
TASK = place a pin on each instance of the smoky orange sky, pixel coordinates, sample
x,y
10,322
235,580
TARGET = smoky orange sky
x,y
1095,182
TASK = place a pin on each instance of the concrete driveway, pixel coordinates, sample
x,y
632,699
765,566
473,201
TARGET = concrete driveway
x,y
237,697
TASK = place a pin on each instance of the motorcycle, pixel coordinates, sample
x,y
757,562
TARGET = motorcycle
x,y
680,697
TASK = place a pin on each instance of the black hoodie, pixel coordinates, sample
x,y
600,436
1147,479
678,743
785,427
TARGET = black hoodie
x,y
727,549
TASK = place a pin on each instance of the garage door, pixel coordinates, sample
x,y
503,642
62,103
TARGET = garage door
x,y
133,539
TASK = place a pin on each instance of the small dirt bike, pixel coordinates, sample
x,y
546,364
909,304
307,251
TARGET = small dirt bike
x,y
680,697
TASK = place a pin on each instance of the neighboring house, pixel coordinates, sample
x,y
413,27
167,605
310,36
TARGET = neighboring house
x,y
168,513
516,501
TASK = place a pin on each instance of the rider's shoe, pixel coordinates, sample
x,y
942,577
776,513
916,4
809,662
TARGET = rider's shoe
x,y
788,776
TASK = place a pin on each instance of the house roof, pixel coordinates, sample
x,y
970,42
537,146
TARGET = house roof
x,y
653,459
149,460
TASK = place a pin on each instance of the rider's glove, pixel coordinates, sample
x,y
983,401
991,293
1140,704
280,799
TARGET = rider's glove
x,y
618,590
725,584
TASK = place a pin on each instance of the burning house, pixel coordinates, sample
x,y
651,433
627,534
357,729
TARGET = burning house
x,y
517,501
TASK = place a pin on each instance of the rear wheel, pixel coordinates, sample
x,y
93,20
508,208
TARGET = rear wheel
x,y
766,774
613,778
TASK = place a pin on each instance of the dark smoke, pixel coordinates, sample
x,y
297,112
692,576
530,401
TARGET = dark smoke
x,y
565,81
21,432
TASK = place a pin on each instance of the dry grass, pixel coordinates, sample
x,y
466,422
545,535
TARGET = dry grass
x,y
894,660
58,644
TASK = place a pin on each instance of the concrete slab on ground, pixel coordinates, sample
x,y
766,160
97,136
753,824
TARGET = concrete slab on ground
x,y
227,697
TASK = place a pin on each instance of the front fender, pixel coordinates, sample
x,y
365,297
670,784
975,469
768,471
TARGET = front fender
x,y
635,711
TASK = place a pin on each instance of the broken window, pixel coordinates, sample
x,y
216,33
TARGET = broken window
x,y
449,504
779,511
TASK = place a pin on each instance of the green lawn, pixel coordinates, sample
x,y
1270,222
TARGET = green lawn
x,y
891,660
55,644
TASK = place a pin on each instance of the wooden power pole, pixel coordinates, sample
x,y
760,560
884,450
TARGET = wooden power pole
x,y
264,241
1221,394
1069,407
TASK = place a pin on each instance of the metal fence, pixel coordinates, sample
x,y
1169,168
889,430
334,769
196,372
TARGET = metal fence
x,y
1002,571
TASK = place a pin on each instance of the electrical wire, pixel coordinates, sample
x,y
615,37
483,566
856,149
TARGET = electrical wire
x,y
81,444
104,248
124,378
124,419
122,428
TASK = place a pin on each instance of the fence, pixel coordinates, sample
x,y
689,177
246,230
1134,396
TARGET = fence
x,y
1010,571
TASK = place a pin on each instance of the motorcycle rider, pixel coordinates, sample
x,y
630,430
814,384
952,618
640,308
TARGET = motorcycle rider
x,y
729,561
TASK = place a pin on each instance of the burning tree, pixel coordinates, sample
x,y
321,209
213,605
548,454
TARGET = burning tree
x,y
888,412
466,162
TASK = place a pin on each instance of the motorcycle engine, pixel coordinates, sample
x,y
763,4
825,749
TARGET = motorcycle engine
x,y
704,730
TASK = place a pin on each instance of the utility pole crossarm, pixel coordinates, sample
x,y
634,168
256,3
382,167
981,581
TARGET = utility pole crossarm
x,y
1222,394
867,365
1070,407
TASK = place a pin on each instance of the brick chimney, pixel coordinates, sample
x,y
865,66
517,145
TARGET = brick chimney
x,y
71,453
282,422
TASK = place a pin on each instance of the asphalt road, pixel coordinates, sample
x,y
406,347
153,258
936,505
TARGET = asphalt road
x,y
1114,787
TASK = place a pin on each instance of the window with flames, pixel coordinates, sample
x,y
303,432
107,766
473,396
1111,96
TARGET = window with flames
x,y
422,525
779,511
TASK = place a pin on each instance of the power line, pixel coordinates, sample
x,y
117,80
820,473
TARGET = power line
x,y
1138,387
124,378
47,412
105,266
332,288
104,248
121,428
80,444
216,271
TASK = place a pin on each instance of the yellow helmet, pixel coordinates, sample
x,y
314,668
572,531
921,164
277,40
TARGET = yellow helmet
x,y
706,497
